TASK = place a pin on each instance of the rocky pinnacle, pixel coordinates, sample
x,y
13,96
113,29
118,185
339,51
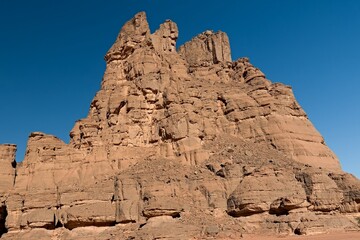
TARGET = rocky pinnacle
x,y
178,143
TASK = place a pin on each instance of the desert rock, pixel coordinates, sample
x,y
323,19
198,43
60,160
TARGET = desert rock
x,y
178,144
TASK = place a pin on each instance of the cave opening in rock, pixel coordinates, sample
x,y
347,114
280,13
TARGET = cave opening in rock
x,y
297,231
279,211
176,215
3,215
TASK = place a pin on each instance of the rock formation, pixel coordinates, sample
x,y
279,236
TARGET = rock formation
x,y
178,144
7,179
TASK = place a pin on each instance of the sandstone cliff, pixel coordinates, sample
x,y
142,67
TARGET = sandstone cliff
x,y
178,144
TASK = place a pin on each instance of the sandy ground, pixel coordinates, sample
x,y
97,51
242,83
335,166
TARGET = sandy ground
x,y
329,236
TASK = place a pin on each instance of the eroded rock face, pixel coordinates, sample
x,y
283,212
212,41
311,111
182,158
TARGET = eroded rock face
x,y
7,168
267,190
7,180
175,141
206,49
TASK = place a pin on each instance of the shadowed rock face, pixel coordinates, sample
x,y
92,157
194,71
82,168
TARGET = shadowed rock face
x,y
175,141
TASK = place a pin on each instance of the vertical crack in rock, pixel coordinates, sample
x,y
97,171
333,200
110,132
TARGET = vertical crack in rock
x,y
116,199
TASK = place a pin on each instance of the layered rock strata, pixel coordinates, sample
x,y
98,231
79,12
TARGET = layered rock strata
x,y
178,144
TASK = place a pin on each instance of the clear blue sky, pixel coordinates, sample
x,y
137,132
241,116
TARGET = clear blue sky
x,y
51,57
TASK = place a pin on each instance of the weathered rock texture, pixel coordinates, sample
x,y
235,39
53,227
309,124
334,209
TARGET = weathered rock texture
x,y
178,145
7,180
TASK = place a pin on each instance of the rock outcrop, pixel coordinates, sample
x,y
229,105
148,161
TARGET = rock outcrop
x,y
207,49
7,168
178,144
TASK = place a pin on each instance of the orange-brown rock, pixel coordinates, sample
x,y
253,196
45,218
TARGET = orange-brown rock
x,y
178,145
7,168
7,179
206,49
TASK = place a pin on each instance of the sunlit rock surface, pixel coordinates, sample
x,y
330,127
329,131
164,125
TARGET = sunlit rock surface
x,y
178,145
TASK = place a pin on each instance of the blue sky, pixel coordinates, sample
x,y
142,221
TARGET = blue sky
x,y
51,57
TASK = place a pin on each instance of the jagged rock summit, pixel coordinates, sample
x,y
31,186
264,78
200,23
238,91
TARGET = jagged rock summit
x,y
178,144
